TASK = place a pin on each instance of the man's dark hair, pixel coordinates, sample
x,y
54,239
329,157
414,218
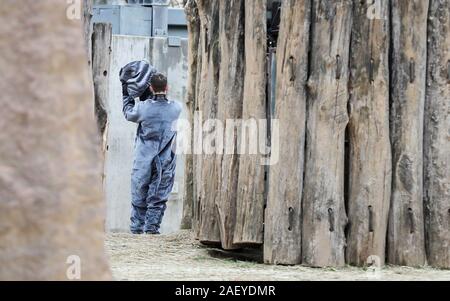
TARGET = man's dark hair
x,y
158,82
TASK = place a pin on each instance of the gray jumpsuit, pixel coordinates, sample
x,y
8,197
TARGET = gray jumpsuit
x,y
154,164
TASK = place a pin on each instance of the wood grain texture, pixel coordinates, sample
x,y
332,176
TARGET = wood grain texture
x,y
51,202
282,230
250,193
208,102
229,110
369,177
193,22
437,136
406,245
87,27
197,158
101,60
347,71
324,216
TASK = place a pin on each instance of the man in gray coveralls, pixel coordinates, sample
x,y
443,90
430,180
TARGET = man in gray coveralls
x,y
153,172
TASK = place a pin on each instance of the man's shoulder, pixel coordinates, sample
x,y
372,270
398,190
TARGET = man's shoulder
x,y
176,104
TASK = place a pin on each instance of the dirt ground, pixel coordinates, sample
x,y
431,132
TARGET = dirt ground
x,y
180,257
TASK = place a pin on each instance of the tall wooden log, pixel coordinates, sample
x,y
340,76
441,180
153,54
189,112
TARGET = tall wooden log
x,y
282,231
193,22
197,159
324,216
87,27
229,110
406,244
51,207
101,59
250,195
369,175
208,102
437,136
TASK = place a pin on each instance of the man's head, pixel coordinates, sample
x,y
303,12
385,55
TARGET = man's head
x,y
158,83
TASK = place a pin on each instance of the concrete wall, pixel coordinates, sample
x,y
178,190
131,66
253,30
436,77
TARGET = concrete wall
x,y
172,61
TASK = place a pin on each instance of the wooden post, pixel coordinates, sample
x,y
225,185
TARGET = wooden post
x,y
196,160
207,180
193,22
406,244
101,58
436,136
282,231
324,216
51,203
250,193
369,157
229,110
87,28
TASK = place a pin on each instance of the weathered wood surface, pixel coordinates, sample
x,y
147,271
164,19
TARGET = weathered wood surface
x,y
282,230
250,193
369,177
406,245
196,160
324,216
207,180
193,22
229,110
101,60
51,203
437,136
344,69
87,27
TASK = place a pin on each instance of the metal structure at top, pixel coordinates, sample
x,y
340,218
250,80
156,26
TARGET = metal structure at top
x,y
151,18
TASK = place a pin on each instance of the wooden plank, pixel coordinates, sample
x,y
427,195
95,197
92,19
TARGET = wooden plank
x,y
87,28
229,110
406,244
101,60
193,37
197,158
369,178
208,99
436,136
51,202
282,230
250,193
324,216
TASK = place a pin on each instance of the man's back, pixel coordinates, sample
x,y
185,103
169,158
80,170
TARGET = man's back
x,y
157,127
154,164
159,117
157,124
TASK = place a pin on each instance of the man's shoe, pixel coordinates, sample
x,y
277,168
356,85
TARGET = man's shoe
x,y
137,232
152,233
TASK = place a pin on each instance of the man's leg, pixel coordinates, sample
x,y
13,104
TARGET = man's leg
x,y
154,216
140,180
137,218
159,193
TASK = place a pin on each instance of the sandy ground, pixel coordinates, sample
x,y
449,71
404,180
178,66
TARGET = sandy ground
x,y
180,257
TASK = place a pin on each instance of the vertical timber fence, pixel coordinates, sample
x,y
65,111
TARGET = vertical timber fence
x,y
362,106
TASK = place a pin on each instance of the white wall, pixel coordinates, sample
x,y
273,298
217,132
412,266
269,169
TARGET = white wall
x,y
171,61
